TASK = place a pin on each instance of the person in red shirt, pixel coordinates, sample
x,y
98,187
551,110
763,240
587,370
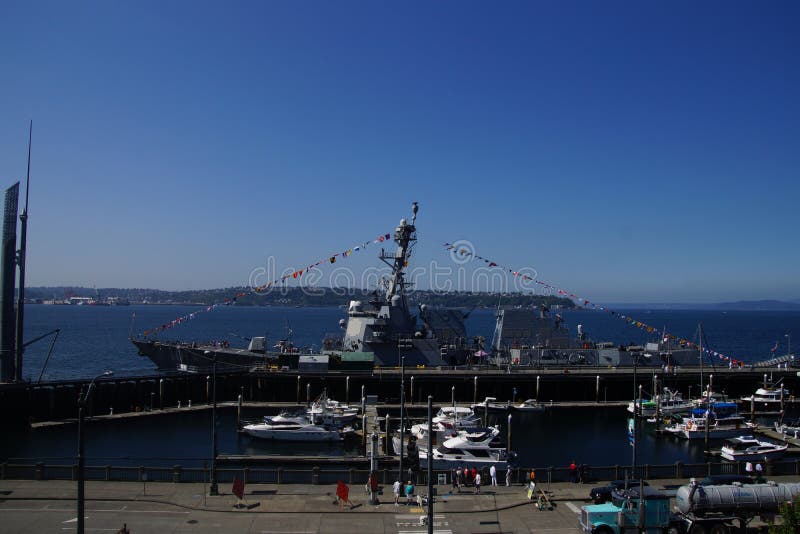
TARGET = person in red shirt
x,y
573,472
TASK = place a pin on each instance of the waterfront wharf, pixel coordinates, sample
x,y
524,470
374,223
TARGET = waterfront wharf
x,y
53,401
30,506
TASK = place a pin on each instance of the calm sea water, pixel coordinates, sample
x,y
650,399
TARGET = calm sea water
x,y
94,339
555,437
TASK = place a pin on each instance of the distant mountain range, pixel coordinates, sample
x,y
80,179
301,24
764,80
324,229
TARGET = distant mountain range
x,y
321,296
287,296
739,305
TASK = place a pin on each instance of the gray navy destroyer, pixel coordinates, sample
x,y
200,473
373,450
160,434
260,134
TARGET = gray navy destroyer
x,y
381,330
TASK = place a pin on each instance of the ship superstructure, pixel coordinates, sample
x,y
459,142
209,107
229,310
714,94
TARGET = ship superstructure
x,y
384,326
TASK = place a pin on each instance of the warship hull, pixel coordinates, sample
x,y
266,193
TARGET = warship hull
x,y
191,357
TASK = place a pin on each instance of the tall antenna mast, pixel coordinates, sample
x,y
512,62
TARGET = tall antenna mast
x,y
21,261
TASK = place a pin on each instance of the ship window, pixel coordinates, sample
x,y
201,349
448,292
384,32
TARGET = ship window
x,y
480,453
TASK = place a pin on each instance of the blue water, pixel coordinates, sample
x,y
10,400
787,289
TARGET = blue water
x,y
589,435
94,339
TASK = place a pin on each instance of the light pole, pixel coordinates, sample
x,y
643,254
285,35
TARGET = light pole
x,y
402,412
212,486
788,344
82,401
430,464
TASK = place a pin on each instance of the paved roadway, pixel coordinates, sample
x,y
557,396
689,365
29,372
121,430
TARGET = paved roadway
x,y
50,506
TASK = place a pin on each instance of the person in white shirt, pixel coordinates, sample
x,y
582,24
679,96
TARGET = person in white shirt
x,y
493,474
478,483
396,489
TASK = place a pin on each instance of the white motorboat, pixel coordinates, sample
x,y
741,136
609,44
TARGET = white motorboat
x,y
530,405
296,430
470,449
323,407
751,449
456,417
769,395
492,404
723,421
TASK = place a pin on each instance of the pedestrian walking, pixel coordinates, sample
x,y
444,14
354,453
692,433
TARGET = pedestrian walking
x,y
748,468
409,493
573,472
396,490
477,482
474,473
508,477
462,474
759,472
493,474
454,477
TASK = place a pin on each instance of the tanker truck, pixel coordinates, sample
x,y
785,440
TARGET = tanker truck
x,y
698,510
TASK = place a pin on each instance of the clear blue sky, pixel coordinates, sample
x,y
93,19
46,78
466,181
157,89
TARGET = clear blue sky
x,y
629,151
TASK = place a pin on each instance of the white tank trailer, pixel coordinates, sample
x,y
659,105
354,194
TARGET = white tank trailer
x,y
745,499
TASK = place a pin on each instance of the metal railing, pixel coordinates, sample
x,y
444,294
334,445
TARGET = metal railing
x,y
324,475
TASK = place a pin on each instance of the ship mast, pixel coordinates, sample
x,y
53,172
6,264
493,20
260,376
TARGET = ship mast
x,y
404,235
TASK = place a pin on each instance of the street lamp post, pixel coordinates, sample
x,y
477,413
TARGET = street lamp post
x,y
82,401
402,412
213,489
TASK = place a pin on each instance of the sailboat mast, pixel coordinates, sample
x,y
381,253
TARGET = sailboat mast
x,y
700,345
20,344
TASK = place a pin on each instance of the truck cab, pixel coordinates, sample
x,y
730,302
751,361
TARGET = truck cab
x,y
627,511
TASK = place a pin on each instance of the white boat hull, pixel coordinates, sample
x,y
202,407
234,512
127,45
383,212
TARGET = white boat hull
x,y
263,432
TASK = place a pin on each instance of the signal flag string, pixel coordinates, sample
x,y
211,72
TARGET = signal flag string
x,y
260,289
589,304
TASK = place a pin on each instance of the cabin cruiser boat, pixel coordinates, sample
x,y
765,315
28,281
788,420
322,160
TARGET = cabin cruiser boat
x,y
768,396
456,417
341,413
470,449
293,430
419,432
723,421
751,449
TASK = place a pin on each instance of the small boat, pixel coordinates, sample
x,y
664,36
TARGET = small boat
x,y
297,430
456,417
723,421
792,428
491,404
769,395
470,449
671,402
710,397
530,405
751,449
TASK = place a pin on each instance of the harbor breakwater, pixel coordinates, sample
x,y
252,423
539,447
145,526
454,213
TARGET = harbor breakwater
x,y
24,404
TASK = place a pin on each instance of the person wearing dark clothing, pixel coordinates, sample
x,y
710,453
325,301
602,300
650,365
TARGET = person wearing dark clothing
x,y
573,472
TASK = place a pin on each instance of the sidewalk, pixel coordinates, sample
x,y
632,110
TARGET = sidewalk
x,y
284,498
298,498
